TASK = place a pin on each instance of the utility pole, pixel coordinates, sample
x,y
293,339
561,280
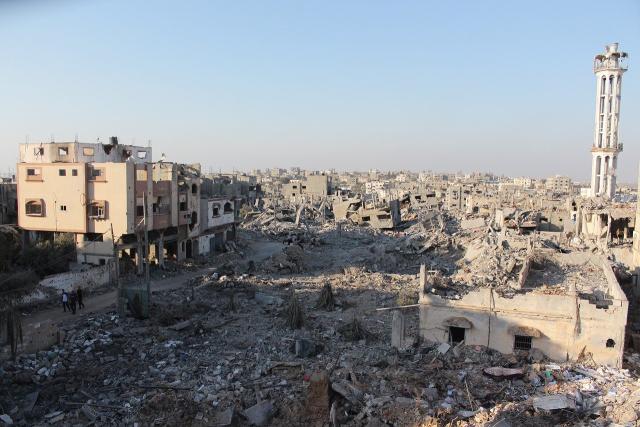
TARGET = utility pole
x,y
119,305
146,251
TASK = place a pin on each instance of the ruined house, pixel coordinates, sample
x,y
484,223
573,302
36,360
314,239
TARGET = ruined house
x,y
565,307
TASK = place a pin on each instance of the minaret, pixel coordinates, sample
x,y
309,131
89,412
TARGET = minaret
x,y
608,68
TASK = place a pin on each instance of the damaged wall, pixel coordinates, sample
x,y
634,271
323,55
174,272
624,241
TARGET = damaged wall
x,y
559,325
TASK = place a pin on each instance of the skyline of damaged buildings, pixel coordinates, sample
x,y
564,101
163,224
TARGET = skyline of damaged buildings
x,y
513,264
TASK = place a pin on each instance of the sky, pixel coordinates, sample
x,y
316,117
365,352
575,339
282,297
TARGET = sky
x,y
499,86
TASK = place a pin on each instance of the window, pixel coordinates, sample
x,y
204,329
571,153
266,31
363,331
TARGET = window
x,y
62,172
140,210
522,342
87,151
141,174
215,210
102,261
183,206
456,335
611,343
194,189
97,209
63,208
141,154
97,174
74,172
63,151
228,208
34,174
366,218
34,208
93,237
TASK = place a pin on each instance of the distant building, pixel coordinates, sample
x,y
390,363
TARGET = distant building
x,y
559,184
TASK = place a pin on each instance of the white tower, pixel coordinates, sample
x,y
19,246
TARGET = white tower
x,y
608,68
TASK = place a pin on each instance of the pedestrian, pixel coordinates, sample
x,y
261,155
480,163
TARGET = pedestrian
x,y
79,297
65,301
72,301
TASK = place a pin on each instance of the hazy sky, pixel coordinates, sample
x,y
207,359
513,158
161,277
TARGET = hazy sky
x,y
472,85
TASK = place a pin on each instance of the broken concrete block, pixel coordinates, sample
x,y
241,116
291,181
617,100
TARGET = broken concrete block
x,y
503,373
443,348
181,325
553,402
6,419
398,330
259,414
468,224
347,390
225,418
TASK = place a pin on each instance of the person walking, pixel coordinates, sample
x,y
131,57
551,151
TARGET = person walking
x,y
65,301
79,298
72,301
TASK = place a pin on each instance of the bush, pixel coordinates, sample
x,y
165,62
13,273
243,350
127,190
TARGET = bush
x,y
48,257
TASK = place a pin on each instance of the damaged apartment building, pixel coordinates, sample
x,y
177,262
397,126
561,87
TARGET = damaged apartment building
x,y
103,193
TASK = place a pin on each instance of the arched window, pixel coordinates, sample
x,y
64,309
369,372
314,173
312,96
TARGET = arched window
x,y
228,208
34,208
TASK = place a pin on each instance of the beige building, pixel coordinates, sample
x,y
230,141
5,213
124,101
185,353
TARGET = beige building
x,y
99,190
559,184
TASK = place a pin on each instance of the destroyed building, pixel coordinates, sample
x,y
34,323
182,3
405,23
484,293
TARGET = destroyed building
x,y
564,305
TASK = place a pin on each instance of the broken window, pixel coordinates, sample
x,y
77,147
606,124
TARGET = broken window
x,y
34,208
228,208
140,210
215,210
611,343
88,151
183,206
34,174
456,335
97,209
141,174
366,218
63,151
141,154
62,172
194,189
522,342
97,174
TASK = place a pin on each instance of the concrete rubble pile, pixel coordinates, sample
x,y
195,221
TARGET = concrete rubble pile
x,y
206,363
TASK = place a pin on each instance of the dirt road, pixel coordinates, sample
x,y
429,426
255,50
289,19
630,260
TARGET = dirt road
x,y
258,250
